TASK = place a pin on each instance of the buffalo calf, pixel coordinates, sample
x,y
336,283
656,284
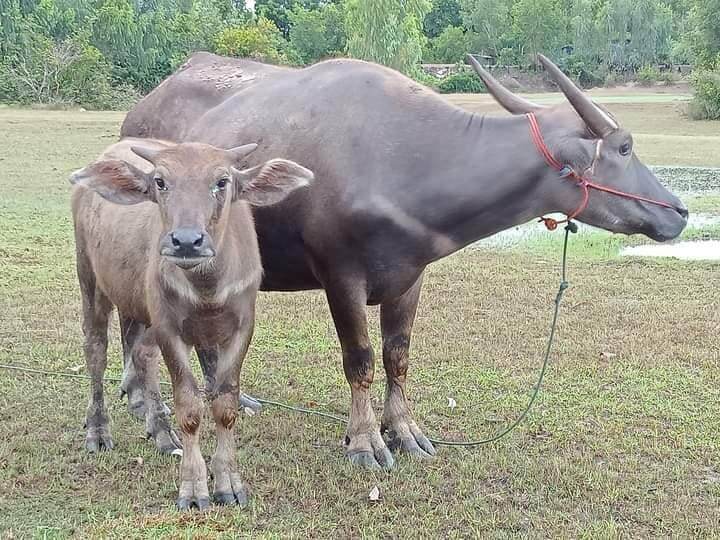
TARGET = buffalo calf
x,y
164,233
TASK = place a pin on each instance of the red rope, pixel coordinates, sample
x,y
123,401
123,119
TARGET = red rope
x,y
582,180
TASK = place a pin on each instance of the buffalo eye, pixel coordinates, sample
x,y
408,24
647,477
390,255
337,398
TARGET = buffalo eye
x,y
222,184
625,149
160,183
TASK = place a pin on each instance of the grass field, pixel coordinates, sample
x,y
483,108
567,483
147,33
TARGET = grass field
x,y
624,441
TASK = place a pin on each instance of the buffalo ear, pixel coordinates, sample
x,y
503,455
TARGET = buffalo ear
x,y
270,183
116,181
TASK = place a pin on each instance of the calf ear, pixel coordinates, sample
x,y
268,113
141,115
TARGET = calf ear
x,y
116,181
270,183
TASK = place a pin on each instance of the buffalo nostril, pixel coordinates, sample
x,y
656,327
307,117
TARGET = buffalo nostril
x,y
683,211
187,240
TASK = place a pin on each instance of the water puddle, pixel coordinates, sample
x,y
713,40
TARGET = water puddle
x,y
534,230
689,180
702,250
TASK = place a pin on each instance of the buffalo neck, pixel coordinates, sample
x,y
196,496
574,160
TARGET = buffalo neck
x,y
493,179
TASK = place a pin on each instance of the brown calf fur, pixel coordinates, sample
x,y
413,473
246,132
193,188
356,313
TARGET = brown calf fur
x,y
163,232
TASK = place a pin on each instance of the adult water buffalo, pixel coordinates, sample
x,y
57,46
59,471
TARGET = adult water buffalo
x,y
403,178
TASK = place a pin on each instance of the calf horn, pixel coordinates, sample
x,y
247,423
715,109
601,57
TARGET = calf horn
x,y
510,102
597,120
146,152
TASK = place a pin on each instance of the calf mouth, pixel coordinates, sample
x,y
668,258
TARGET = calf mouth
x,y
186,263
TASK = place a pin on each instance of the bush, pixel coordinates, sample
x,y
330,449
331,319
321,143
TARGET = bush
x,y
706,103
71,72
449,47
666,78
586,73
465,82
648,76
611,79
261,41
425,78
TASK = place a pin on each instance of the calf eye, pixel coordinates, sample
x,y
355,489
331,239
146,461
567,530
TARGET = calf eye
x,y
625,149
160,183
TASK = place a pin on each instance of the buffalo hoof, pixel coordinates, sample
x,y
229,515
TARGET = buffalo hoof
x,y
369,452
248,402
407,437
98,439
136,401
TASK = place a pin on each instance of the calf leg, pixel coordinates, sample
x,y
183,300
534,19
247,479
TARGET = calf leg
x,y
146,359
396,319
363,443
224,395
131,331
189,410
96,310
208,358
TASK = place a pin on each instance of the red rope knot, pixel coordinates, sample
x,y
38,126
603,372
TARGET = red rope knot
x,y
550,223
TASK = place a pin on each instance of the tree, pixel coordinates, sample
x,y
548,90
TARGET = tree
x,y
318,33
277,11
444,13
387,31
490,20
538,24
704,36
634,33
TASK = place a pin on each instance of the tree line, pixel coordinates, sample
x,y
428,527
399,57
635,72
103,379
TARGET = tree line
x,y
105,53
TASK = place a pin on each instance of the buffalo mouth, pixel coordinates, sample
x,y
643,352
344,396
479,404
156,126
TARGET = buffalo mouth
x,y
186,263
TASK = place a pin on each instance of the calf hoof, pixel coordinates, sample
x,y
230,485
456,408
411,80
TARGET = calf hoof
x,y
188,503
193,494
369,451
167,442
98,439
230,489
241,499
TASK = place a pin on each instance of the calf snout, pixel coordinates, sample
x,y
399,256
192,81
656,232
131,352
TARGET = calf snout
x,y
186,245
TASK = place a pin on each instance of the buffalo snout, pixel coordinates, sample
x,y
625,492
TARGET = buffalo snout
x,y
187,246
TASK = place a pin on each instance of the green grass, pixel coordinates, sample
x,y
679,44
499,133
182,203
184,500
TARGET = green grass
x,y
622,443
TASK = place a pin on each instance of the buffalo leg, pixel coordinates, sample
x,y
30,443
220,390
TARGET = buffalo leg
x,y
189,409
131,331
207,358
96,312
146,360
396,320
363,443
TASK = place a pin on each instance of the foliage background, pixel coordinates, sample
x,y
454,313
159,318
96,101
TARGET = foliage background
x,y
105,53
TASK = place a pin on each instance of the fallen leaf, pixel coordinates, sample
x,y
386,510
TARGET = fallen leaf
x,y
374,494
249,411
138,461
607,355
452,403
77,369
